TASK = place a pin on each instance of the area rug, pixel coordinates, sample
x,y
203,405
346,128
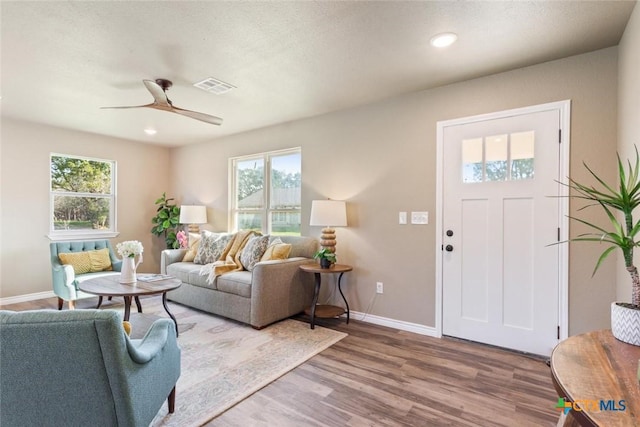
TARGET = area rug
x,y
224,362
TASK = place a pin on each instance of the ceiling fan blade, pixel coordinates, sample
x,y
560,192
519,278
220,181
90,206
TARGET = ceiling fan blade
x,y
198,116
133,106
157,92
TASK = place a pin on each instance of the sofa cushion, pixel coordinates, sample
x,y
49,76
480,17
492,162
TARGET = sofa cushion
x,y
211,246
253,251
236,282
189,272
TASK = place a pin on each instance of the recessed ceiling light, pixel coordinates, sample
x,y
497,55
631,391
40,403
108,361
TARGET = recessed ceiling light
x,y
443,39
150,131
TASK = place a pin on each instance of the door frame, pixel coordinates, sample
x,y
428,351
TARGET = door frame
x,y
564,109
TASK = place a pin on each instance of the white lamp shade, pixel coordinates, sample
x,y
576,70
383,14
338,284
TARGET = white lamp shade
x,y
193,214
328,213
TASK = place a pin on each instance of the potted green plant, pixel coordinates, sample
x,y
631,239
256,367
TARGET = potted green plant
x,y
621,198
326,257
166,221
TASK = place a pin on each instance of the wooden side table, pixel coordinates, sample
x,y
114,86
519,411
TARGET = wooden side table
x,y
326,311
595,373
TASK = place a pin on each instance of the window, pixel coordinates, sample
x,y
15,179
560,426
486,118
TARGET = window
x,y
82,197
266,192
499,157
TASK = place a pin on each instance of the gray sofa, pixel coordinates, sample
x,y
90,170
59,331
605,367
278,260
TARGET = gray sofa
x,y
273,291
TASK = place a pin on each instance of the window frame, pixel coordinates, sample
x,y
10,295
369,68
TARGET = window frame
x,y
266,212
57,235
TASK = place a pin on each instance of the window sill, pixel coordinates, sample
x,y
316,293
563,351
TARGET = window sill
x,y
82,235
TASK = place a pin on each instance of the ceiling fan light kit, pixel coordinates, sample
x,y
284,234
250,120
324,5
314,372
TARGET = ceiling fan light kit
x,y
158,89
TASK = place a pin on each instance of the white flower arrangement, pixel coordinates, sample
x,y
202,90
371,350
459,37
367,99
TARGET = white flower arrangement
x,y
130,248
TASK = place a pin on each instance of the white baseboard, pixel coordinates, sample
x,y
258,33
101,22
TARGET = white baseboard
x,y
368,318
396,324
27,297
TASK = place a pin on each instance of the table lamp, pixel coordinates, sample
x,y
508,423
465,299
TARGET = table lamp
x,y
328,214
193,215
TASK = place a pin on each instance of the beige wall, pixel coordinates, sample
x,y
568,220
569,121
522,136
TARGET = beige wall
x,y
24,189
628,116
381,158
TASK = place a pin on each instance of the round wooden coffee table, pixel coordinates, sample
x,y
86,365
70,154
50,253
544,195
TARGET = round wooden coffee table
x,y
110,286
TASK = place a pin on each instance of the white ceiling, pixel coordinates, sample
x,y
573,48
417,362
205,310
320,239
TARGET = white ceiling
x,y
61,61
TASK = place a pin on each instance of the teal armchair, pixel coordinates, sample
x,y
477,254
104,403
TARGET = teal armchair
x,y
79,368
65,281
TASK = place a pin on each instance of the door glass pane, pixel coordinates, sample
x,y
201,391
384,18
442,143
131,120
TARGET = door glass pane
x,y
249,221
496,156
250,184
522,155
472,160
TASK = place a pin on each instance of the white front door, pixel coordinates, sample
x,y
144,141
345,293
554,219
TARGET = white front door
x,y
500,277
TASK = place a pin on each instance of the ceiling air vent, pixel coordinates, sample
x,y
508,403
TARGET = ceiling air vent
x,y
214,86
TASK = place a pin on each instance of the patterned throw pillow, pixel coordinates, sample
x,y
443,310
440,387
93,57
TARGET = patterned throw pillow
x,y
87,261
277,250
100,260
78,260
253,251
211,246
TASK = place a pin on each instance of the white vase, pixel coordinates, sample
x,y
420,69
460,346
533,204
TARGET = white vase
x,y
128,270
625,323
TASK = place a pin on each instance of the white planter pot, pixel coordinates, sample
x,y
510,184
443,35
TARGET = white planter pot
x,y
625,323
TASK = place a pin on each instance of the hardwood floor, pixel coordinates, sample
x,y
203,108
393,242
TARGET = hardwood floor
x,y
379,376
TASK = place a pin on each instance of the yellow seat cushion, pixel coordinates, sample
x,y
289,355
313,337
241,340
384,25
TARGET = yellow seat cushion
x,y
87,261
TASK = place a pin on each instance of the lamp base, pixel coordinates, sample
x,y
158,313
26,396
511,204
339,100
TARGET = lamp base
x,y
194,228
328,239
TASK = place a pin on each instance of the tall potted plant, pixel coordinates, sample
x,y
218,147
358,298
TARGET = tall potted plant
x,y
166,221
621,198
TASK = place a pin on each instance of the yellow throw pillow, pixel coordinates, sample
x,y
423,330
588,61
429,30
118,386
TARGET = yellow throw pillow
x,y
127,327
100,260
194,243
87,261
277,251
80,261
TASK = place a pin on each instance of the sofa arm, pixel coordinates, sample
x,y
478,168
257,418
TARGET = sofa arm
x,y
279,289
169,256
63,277
142,351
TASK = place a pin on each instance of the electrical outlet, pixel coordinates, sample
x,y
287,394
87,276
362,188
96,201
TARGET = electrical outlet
x,y
379,288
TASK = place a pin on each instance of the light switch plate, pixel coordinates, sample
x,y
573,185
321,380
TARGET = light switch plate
x,y
402,218
419,217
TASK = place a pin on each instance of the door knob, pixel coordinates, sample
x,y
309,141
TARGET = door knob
x,y
449,233
448,248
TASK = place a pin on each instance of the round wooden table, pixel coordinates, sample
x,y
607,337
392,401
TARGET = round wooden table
x,y
326,310
596,375
110,286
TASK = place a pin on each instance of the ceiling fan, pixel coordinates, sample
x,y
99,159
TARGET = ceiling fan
x,y
158,89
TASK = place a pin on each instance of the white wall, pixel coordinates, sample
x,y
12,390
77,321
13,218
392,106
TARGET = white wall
x,y
628,117
24,189
381,158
